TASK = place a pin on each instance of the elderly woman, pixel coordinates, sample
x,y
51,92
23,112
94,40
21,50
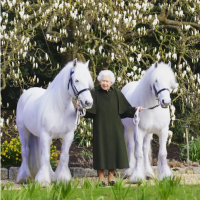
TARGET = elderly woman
x,y
109,106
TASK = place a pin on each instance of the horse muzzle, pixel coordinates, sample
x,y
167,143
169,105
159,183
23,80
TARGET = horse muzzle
x,y
87,104
165,104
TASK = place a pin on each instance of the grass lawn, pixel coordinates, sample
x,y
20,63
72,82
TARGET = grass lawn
x,y
118,192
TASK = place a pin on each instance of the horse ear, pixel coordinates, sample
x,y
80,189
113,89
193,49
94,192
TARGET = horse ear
x,y
75,62
156,64
87,63
169,64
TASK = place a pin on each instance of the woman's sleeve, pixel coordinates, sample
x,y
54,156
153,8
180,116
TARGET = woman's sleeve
x,y
128,113
125,108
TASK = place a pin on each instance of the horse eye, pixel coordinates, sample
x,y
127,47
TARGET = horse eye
x,y
156,80
76,81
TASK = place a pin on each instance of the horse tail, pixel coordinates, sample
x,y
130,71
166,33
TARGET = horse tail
x,y
30,144
150,151
34,154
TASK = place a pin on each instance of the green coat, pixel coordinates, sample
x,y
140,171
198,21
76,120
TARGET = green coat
x,y
109,147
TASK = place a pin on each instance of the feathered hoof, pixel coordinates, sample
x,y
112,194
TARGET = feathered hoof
x,y
136,177
64,178
128,172
126,177
23,180
23,175
149,177
43,177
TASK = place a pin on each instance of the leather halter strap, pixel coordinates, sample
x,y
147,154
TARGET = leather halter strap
x,y
158,92
76,92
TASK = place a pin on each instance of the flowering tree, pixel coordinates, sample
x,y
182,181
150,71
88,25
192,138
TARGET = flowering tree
x,y
124,36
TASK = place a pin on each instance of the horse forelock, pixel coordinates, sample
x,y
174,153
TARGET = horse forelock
x,y
82,73
143,91
163,73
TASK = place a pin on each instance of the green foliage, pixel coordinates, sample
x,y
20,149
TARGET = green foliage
x,y
63,190
31,188
7,193
11,153
167,186
194,150
87,184
86,153
119,190
83,134
142,194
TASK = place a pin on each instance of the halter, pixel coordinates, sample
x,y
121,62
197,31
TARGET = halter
x,y
76,92
159,90
156,93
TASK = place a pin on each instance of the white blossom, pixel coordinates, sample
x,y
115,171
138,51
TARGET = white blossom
x,y
135,68
119,79
128,74
169,141
139,57
170,133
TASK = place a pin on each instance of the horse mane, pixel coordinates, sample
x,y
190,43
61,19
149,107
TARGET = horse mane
x,y
143,90
57,93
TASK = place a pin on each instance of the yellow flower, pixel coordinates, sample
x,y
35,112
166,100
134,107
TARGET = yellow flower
x,y
16,154
54,147
51,158
51,143
5,142
11,142
16,158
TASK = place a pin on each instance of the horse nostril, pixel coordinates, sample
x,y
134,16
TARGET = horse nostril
x,y
163,101
88,103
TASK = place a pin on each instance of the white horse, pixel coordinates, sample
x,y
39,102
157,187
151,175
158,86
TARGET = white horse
x,y
44,114
155,86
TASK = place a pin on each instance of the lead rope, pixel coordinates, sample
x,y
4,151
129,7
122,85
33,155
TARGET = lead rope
x,y
79,114
136,118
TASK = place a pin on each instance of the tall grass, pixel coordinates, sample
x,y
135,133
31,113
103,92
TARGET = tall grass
x,y
64,190
194,150
167,186
120,190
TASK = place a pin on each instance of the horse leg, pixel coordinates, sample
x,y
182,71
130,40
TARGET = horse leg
x,y
138,172
147,155
63,172
131,151
24,171
163,168
44,174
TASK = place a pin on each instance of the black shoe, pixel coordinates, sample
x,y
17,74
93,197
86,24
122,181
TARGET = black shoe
x,y
111,183
103,184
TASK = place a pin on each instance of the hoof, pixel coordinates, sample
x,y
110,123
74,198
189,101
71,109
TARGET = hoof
x,y
126,177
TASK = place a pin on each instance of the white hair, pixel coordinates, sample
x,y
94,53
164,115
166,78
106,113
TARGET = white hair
x,y
106,73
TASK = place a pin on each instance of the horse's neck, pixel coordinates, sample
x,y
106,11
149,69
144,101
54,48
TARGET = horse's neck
x,y
146,97
58,95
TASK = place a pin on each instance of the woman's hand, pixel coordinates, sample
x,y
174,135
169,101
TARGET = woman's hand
x,y
139,108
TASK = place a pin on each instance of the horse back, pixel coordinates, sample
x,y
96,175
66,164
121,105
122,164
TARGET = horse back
x,y
32,95
129,92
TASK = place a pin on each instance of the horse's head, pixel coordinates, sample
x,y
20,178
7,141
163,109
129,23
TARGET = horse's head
x,y
163,81
81,82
